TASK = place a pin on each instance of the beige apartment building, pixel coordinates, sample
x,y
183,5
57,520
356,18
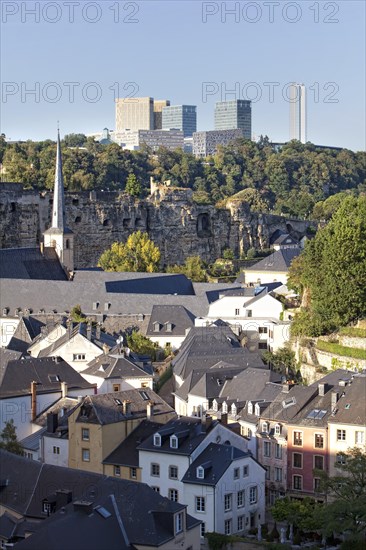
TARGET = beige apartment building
x,y
103,421
134,113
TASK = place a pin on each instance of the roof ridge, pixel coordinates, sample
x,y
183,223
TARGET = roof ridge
x,y
119,519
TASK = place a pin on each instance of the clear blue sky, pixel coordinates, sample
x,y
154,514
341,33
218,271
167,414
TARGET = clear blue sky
x,y
170,52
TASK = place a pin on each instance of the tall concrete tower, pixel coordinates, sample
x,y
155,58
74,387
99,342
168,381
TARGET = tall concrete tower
x,y
58,236
298,121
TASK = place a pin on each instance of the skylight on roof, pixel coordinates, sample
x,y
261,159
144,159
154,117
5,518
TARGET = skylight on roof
x,y
316,414
103,512
144,395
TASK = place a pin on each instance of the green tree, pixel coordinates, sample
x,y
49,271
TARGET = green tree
x,y
9,440
346,492
133,187
77,315
75,140
332,271
138,343
282,361
193,268
139,253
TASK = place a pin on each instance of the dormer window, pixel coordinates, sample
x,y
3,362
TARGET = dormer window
x,y
250,407
264,427
257,410
156,327
168,327
200,472
173,442
157,440
215,405
233,409
277,429
224,407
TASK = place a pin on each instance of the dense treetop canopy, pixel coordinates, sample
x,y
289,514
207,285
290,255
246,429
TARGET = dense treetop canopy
x,y
290,180
331,272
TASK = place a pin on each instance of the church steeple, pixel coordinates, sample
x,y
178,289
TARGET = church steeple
x,y
58,213
58,236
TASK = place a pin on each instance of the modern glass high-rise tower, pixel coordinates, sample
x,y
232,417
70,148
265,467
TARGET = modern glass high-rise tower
x,y
180,117
234,114
298,120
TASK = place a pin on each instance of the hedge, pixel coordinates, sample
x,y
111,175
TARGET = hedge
x,y
338,349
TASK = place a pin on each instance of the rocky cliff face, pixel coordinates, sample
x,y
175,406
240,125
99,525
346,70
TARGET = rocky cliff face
x,y
179,226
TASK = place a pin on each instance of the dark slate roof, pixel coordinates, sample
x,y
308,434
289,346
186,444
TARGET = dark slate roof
x,y
31,442
351,405
29,263
117,365
287,405
248,384
206,346
13,528
95,297
217,459
250,292
7,355
278,261
179,317
146,520
190,432
27,330
285,239
80,328
63,407
19,374
207,383
126,454
104,408
162,284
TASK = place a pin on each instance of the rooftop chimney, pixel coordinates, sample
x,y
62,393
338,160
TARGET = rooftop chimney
x,y
63,390
322,389
224,419
285,387
206,421
70,326
52,422
97,332
334,399
63,497
126,407
85,506
89,330
34,400
150,410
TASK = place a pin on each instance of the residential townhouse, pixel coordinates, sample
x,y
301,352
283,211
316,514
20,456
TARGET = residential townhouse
x,y
119,370
28,386
169,325
347,423
254,312
79,345
101,422
173,462
223,487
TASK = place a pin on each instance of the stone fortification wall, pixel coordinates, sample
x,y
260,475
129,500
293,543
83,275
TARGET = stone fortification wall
x,y
179,226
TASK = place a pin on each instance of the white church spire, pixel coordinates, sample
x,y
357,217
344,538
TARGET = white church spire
x,y
58,236
58,213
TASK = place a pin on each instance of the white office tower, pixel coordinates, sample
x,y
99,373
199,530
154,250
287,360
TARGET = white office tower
x,y
298,122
